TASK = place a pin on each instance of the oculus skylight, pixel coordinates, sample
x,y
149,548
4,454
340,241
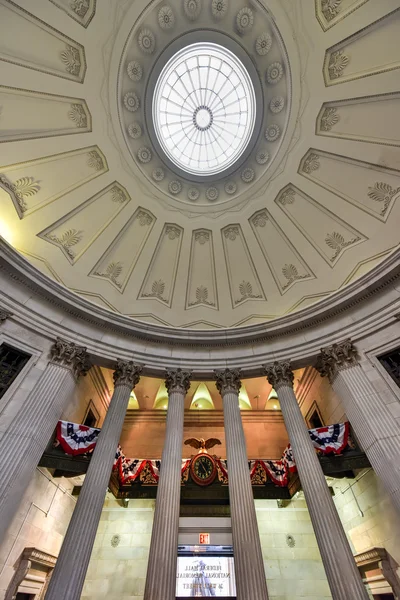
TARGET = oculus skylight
x,y
204,109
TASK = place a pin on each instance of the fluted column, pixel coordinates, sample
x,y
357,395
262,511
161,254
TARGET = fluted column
x,y
72,563
161,569
249,565
24,441
343,576
376,429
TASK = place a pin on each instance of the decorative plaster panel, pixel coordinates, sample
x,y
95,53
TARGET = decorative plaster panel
x,y
82,11
160,279
117,263
286,265
29,42
27,115
202,282
76,231
329,234
372,188
244,283
374,49
371,119
331,12
36,183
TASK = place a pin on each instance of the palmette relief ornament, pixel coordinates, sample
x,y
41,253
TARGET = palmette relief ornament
x,y
158,174
277,104
146,41
262,157
272,133
166,18
248,175
212,193
263,44
244,20
274,73
175,187
131,101
144,155
134,70
192,9
230,187
219,8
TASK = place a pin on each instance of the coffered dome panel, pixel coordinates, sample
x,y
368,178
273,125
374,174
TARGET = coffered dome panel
x,y
250,178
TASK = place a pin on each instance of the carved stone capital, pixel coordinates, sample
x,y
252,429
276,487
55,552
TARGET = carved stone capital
x,y
4,314
127,373
227,381
279,374
335,358
177,381
70,355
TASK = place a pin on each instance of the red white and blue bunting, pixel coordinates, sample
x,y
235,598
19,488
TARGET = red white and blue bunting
x,y
76,439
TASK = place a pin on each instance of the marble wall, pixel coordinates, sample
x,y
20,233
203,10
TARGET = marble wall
x,y
41,522
118,565
293,566
367,514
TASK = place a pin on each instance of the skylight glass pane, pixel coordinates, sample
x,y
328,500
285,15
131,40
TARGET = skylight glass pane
x,y
204,109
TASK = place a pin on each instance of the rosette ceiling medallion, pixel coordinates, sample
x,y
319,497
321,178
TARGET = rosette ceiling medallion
x,y
200,163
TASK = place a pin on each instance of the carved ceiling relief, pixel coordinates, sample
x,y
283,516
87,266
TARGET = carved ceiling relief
x,y
160,278
202,282
346,119
331,12
67,57
34,115
285,263
326,232
37,183
370,187
253,27
118,262
81,11
243,279
78,230
347,199
361,55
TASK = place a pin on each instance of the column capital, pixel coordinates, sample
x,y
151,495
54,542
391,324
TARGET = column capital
x,y
127,373
177,380
4,314
279,374
228,380
335,358
70,355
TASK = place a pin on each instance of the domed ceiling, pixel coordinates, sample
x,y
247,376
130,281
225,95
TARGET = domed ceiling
x,y
200,163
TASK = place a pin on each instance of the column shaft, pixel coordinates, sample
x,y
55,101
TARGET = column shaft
x,y
249,564
343,576
162,565
376,429
70,570
374,426
25,440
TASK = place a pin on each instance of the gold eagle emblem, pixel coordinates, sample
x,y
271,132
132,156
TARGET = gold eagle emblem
x,y
201,444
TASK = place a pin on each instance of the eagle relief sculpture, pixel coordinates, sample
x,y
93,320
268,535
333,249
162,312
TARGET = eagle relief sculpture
x,y
203,467
201,444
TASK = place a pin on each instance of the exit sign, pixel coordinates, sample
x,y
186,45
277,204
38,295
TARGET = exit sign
x,y
204,538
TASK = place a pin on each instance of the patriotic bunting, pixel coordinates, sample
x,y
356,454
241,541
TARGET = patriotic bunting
x,y
332,439
76,439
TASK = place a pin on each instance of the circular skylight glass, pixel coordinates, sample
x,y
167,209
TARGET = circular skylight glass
x,y
204,109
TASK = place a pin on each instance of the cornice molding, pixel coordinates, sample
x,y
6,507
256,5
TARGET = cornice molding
x,y
41,304
354,293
